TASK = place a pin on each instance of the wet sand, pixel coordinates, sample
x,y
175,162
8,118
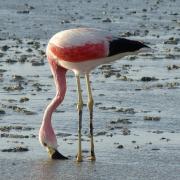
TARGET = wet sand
x,y
137,125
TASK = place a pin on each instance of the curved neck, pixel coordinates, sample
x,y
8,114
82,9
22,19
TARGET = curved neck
x,y
59,74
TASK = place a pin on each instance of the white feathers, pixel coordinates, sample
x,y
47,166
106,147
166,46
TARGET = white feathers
x,y
79,37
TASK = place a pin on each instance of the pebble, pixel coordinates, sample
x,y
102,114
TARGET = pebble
x,y
172,85
11,100
2,112
22,59
14,87
5,48
170,56
132,58
118,127
105,67
158,132
116,143
136,147
171,67
85,151
27,112
2,70
65,21
172,40
63,134
59,111
148,79
126,131
23,12
127,34
122,121
169,85
11,61
29,50
101,94
152,118
1,55
102,133
17,78
107,108
109,135
107,20
16,149
120,147
37,63
41,52
18,109
126,110
32,136
5,135
163,138
96,18
155,149
34,44
125,78
98,103
24,99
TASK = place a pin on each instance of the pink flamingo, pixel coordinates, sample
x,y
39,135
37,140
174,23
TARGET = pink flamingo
x,y
79,50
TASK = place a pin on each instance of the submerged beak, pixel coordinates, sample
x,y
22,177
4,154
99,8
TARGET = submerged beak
x,y
54,154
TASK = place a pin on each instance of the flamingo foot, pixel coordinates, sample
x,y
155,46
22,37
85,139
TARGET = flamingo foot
x,y
79,158
92,158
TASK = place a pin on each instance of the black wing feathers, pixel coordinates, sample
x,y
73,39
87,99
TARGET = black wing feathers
x,y
122,45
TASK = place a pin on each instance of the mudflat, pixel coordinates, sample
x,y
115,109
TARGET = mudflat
x,y
137,99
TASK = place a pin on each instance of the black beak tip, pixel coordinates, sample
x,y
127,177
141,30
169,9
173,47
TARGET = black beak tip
x,y
57,155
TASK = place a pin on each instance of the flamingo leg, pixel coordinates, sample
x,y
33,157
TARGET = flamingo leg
x,y
90,107
79,108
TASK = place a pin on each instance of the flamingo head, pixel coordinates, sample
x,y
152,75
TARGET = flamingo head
x,y
48,140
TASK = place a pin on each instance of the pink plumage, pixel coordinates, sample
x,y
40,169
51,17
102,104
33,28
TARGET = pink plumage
x,y
79,50
78,45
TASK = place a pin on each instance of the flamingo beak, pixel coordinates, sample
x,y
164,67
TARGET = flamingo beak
x,y
55,154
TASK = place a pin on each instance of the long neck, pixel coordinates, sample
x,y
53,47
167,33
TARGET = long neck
x,y
59,74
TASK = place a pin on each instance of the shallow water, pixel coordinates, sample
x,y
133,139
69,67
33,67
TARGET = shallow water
x,y
151,147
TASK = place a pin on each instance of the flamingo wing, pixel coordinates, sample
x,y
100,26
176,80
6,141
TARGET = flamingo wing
x,y
77,45
82,44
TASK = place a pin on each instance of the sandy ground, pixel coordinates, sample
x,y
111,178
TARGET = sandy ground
x,y
137,99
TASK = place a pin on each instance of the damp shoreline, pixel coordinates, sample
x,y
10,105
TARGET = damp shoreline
x,y
137,98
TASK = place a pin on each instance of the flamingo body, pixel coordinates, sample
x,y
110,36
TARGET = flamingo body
x,y
83,49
